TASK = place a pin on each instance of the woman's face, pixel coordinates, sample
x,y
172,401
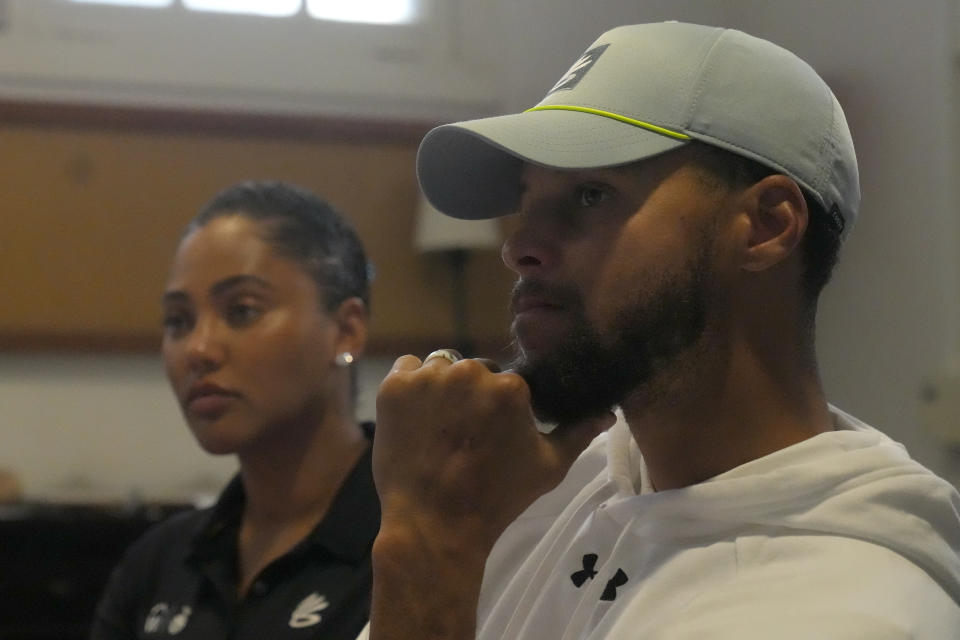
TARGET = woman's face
x,y
248,348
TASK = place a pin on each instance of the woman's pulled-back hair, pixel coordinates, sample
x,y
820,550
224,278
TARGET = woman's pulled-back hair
x,y
302,227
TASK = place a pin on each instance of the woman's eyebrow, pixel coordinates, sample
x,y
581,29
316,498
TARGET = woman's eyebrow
x,y
221,287
170,297
218,288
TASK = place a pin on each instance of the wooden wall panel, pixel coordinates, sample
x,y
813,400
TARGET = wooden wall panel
x,y
91,215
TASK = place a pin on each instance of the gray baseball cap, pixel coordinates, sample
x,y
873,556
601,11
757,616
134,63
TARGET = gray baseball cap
x,y
641,90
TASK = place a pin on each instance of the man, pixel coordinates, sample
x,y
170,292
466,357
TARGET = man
x,y
681,196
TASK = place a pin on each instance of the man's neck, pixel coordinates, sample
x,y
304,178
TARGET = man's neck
x,y
709,418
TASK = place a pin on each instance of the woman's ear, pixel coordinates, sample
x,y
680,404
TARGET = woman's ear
x,y
351,318
777,215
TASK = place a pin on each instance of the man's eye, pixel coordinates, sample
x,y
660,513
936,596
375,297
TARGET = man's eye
x,y
591,196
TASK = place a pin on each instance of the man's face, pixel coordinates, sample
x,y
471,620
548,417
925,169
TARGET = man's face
x,y
615,280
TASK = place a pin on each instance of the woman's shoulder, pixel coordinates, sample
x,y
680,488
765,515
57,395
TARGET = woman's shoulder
x,y
144,565
172,536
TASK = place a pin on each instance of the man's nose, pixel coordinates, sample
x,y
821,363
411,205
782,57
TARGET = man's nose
x,y
529,248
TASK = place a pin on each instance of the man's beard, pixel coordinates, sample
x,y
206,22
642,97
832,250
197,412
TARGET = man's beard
x,y
589,372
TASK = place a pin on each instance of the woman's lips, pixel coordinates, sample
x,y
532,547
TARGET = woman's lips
x,y
210,405
209,400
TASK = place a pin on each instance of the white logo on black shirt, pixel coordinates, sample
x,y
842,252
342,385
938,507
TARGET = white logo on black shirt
x,y
164,617
156,616
307,612
179,621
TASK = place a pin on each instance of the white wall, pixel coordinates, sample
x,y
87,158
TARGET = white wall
x,y
108,428
889,320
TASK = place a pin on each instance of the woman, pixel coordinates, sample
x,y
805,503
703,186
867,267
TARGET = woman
x,y
264,311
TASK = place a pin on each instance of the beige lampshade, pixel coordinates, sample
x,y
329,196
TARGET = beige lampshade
x,y
437,232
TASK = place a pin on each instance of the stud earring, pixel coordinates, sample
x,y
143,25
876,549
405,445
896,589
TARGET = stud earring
x,y
344,359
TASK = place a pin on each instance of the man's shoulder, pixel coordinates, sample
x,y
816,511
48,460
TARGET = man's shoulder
x,y
794,587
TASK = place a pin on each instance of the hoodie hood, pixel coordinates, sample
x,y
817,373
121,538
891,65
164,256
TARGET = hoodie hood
x,y
853,482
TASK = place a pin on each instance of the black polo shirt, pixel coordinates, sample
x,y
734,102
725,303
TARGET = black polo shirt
x,y
180,579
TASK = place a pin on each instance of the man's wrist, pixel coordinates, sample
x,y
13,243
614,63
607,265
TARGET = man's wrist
x,y
423,587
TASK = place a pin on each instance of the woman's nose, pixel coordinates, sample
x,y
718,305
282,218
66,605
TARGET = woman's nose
x,y
205,349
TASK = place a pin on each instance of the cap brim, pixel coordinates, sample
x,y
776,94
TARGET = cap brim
x,y
471,169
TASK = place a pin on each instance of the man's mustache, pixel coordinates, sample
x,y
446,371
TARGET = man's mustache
x,y
557,295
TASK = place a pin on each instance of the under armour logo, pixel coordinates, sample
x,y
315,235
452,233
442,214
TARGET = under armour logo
x,y
579,69
307,612
610,591
589,573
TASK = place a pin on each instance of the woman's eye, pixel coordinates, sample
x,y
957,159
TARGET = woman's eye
x,y
591,196
241,314
175,323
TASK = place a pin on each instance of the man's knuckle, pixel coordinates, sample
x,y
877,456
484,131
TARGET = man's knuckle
x,y
512,387
465,371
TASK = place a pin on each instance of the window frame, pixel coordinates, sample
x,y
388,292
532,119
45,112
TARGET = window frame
x,y
61,50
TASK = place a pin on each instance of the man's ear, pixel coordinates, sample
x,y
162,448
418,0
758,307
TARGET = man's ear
x,y
351,318
776,215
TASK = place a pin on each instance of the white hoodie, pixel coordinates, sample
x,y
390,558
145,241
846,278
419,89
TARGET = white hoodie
x,y
839,537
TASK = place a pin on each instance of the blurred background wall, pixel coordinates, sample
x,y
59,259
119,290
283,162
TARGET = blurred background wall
x,y
100,421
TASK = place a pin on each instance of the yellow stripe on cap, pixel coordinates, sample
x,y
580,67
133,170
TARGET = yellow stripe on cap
x,y
614,116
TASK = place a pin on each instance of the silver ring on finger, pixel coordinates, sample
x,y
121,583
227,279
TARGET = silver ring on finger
x,y
446,354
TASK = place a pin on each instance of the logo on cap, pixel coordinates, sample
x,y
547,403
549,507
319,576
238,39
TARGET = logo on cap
x,y
836,218
579,69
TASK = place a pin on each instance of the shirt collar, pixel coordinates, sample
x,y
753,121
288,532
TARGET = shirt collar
x,y
346,531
